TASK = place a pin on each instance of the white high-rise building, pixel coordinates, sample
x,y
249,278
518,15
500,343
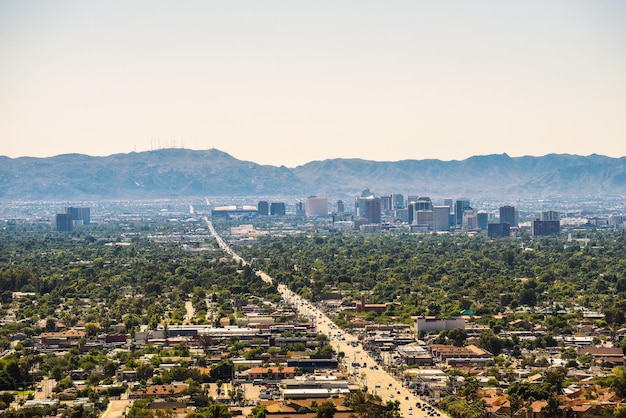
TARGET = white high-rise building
x,y
316,206
469,220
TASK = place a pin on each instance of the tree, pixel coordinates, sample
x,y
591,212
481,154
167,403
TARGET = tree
x,y
216,410
361,402
144,371
259,411
326,410
516,403
392,410
458,336
490,342
139,410
551,409
222,370
555,378
469,390
617,381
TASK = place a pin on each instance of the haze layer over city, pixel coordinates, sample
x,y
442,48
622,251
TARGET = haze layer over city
x,y
285,83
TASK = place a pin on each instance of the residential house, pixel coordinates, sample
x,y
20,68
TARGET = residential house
x,y
272,373
159,391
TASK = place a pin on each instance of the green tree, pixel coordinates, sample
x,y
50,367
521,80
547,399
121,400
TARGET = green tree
x,y
617,381
259,411
555,378
216,410
551,409
326,410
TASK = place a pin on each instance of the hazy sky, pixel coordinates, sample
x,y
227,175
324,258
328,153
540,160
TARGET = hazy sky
x,y
287,82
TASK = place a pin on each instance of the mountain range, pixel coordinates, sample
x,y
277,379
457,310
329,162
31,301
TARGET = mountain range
x,y
171,173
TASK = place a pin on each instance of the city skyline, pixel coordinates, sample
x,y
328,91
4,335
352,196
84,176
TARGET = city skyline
x,y
285,83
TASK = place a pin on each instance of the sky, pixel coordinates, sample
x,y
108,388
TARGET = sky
x,y
288,82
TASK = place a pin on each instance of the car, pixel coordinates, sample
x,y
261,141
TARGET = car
x,y
391,395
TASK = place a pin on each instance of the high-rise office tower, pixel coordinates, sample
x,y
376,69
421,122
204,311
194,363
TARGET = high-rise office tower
x,y
482,219
397,201
277,209
64,222
550,215
80,215
424,218
499,230
402,215
459,207
386,205
411,213
423,203
441,218
509,215
263,208
468,222
316,206
541,228
372,209
340,206
300,210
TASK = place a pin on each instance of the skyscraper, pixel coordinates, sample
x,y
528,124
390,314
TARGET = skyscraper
x,y
398,201
386,205
482,219
499,230
424,218
300,210
441,218
340,206
461,204
509,215
411,212
550,215
316,206
540,228
263,208
277,209
372,209
423,203
80,215
64,222
469,222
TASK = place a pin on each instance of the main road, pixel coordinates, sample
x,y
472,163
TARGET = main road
x,y
366,373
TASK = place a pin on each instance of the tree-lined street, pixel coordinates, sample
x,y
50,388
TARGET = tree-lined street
x,y
376,380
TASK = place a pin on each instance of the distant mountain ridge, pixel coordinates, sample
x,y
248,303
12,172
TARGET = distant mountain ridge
x,y
171,173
